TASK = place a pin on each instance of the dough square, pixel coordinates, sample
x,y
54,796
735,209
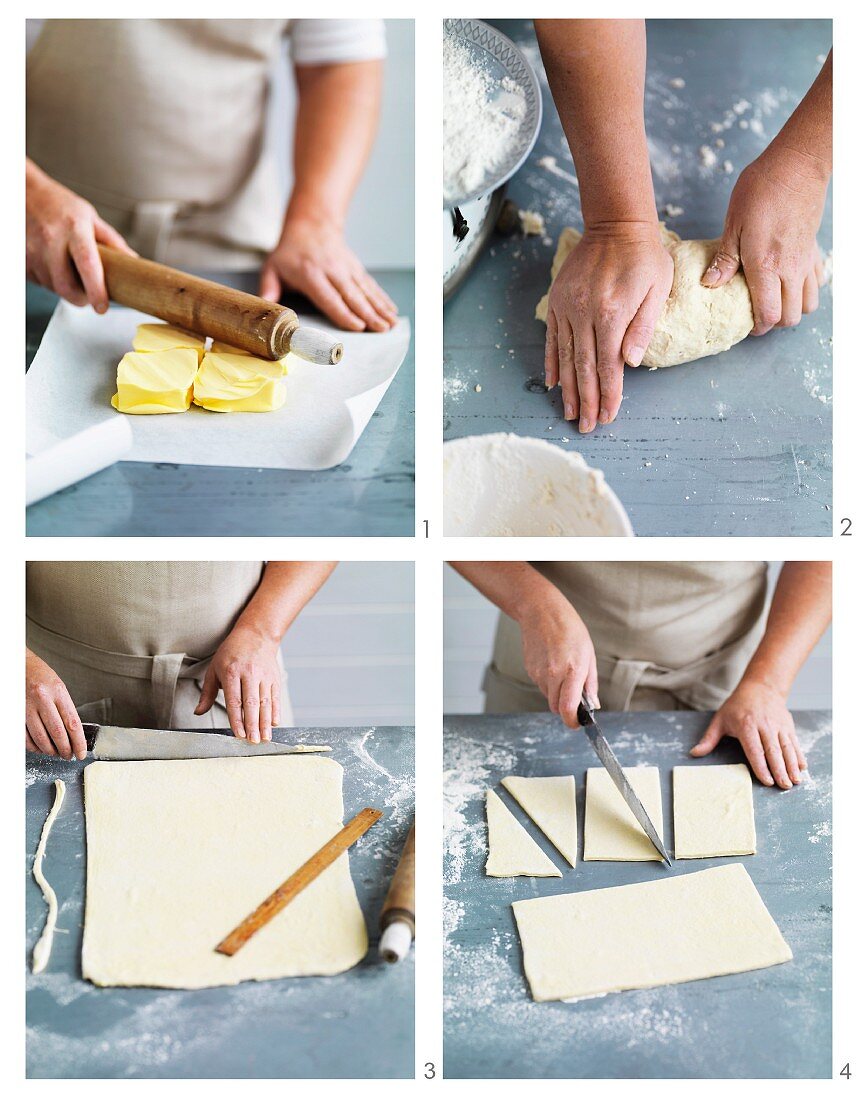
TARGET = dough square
x,y
671,930
713,811
611,831
180,851
550,802
512,851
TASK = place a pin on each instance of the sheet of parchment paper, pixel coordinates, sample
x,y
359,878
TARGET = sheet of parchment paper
x,y
73,377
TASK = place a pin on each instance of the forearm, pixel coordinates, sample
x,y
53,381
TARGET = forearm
x,y
808,134
285,589
597,69
513,586
338,111
799,615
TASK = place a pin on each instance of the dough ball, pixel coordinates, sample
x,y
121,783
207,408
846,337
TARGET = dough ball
x,y
696,321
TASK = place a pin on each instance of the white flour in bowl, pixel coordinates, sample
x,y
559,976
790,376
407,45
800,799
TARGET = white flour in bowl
x,y
480,126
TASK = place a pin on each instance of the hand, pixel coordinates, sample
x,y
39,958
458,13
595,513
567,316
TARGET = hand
x,y
53,726
559,658
313,258
770,231
245,666
602,311
757,716
62,231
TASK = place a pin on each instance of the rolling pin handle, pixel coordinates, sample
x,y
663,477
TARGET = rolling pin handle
x,y
315,346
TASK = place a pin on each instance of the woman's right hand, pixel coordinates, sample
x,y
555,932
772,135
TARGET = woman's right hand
x,y
62,232
53,726
602,311
559,657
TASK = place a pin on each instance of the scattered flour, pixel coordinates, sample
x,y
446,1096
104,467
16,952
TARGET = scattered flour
x,y
480,126
532,223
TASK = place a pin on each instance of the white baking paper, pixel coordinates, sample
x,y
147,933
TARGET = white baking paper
x,y
80,455
73,377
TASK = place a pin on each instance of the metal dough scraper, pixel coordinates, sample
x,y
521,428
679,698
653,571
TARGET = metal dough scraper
x,y
122,743
614,769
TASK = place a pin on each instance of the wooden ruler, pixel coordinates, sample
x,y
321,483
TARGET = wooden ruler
x,y
301,878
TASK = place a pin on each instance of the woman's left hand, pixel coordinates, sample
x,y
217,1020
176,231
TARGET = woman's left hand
x,y
314,259
757,716
770,231
245,665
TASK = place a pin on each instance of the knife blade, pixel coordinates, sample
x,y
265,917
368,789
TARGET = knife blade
x,y
125,743
614,769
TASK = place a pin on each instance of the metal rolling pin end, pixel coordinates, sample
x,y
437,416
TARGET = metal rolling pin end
x,y
314,345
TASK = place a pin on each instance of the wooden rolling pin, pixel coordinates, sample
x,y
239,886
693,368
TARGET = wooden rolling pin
x,y
262,328
397,916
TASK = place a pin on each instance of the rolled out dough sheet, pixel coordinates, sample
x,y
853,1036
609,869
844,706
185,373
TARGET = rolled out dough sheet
x,y
550,802
511,851
611,831
713,811
180,851
672,930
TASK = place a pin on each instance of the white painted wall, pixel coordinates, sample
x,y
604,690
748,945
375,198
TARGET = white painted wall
x,y
380,227
350,653
469,624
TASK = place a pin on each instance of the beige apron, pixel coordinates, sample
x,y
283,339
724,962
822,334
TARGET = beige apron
x,y
132,641
160,124
667,635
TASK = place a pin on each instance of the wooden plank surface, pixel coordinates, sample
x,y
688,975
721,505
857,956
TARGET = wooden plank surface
x,y
356,1024
737,444
768,1023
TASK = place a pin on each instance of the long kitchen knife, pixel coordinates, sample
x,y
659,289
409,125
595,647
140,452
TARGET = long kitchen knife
x,y
614,769
121,743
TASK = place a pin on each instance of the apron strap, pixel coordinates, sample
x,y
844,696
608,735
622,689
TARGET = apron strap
x,y
166,668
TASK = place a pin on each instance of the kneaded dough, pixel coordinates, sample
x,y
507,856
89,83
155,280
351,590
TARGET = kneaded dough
x,y
180,851
511,851
611,830
713,811
550,801
650,933
696,321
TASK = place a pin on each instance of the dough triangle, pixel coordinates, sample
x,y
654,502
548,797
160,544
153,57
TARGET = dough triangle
x,y
511,850
550,801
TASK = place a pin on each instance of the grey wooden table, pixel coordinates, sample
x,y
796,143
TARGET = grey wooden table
x,y
371,493
737,444
773,1023
357,1024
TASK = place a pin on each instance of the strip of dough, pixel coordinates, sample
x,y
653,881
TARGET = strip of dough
x,y
550,801
42,950
611,831
713,811
650,933
511,851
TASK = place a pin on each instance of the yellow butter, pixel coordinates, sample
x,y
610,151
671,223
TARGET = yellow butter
x,y
167,338
220,348
155,381
238,383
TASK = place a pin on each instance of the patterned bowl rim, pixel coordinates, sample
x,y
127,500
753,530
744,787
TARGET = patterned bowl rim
x,y
533,94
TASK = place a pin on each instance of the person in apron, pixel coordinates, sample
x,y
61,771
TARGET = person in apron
x,y
163,645
149,135
659,636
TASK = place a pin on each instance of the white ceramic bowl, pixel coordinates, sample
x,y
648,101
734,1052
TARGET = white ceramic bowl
x,y
510,485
